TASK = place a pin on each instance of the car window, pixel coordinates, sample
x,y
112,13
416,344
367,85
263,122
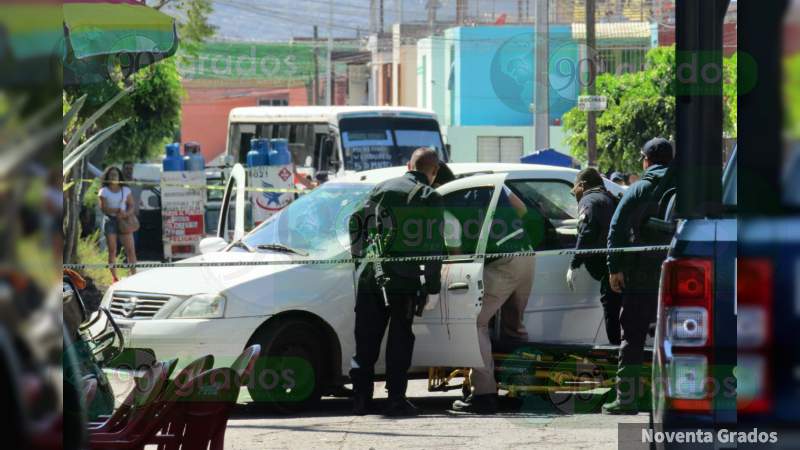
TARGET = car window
x,y
465,214
552,197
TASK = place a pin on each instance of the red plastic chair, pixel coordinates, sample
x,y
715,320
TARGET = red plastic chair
x,y
140,401
186,376
197,412
89,389
244,364
133,421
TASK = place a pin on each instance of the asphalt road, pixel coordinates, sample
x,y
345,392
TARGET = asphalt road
x,y
536,422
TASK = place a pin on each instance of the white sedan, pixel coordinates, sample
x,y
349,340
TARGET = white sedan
x,y
302,315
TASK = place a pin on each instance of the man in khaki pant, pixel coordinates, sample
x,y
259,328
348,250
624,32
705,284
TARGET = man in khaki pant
x,y
508,283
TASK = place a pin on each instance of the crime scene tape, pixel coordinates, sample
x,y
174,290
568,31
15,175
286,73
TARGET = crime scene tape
x,y
210,187
338,261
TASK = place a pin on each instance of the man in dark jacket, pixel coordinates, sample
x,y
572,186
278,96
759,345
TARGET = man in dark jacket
x,y
636,275
595,207
401,217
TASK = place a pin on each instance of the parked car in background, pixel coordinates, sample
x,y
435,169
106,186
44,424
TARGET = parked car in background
x,y
306,311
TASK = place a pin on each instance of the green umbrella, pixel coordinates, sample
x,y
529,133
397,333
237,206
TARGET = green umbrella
x,y
102,35
102,27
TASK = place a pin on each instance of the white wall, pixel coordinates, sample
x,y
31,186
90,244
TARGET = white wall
x,y
464,140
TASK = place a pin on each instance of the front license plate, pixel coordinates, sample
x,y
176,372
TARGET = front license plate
x,y
127,332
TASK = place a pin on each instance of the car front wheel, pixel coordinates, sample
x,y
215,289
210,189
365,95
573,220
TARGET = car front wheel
x,y
288,375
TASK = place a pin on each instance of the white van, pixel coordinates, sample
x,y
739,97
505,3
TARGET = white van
x,y
337,139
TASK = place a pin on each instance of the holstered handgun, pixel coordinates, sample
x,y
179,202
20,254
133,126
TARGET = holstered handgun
x,y
374,251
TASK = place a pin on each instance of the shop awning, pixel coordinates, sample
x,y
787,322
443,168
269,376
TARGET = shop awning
x,y
614,30
549,157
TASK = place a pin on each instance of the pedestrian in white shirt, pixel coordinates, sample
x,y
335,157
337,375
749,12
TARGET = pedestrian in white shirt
x,y
116,202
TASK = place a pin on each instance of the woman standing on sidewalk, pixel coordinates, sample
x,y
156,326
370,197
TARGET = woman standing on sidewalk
x,y
116,202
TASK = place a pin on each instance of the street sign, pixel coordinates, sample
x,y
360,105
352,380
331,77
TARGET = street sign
x,y
592,102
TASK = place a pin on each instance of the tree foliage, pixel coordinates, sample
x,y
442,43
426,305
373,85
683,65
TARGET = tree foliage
x,y
641,105
194,27
792,95
153,109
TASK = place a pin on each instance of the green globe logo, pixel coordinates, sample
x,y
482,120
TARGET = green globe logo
x,y
511,72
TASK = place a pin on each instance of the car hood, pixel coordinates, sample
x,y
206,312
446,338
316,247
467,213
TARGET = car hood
x,y
182,281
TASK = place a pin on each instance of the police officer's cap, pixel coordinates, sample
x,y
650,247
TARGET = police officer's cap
x,y
658,150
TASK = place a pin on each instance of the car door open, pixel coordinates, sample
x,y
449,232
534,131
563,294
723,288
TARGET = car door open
x,y
448,335
555,313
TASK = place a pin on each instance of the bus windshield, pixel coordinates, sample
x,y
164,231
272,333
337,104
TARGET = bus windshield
x,y
378,142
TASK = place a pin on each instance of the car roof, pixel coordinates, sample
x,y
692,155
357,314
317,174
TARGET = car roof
x,y
251,114
465,169
470,173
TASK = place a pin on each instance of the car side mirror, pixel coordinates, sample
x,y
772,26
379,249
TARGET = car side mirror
x,y
212,245
322,176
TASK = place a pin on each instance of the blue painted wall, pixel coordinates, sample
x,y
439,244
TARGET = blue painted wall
x,y
490,74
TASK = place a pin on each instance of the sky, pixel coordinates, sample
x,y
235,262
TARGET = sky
x,y
280,20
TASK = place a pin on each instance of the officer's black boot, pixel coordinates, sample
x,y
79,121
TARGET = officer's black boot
x,y
477,404
361,404
362,394
400,407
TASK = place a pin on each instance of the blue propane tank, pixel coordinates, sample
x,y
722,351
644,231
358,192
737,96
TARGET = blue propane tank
x,y
172,161
259,153
280,155
193,160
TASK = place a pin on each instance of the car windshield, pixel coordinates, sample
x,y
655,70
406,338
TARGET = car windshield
x,y
378,142
315,223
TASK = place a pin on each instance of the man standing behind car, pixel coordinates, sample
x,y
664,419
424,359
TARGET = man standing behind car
x,y
395,221
595,207
636,275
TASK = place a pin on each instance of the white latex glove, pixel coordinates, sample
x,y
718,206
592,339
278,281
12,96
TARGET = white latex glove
x,y
433,300
571,275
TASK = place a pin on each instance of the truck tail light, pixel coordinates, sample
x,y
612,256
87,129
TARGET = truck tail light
x,y
687,298
754,298
688,383
753,393
687,295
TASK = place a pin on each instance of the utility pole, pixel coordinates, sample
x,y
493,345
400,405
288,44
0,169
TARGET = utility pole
x,y
541,119
399,11
591,116
329,71
432,6
315,97
380,16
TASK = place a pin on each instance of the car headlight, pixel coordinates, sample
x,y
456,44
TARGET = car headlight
x,y
201,306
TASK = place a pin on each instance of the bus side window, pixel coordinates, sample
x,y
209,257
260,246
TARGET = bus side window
x,y
244,146
319,155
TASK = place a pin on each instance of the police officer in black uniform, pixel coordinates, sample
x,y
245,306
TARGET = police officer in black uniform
x,y
595,207
402,217
636,275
